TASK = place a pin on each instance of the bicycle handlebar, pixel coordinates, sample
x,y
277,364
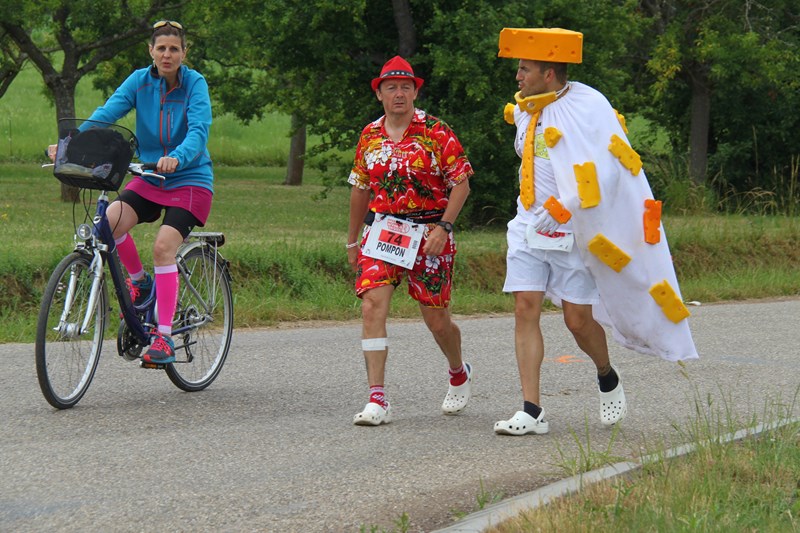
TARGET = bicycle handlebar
x,y
143,169
137,169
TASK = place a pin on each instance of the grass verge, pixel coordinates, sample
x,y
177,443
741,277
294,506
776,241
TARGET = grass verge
x,y
286,249
725,483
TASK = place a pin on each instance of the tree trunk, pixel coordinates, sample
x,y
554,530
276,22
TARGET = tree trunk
x,y
64,96
407,38
700,119
297,152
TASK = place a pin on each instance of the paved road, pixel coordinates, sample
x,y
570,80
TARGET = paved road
x,y
270,446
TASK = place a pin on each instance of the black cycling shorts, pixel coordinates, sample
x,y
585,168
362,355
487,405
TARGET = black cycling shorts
x,y
147,211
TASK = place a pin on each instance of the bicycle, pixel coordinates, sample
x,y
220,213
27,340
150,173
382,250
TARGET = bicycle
x,y
75,309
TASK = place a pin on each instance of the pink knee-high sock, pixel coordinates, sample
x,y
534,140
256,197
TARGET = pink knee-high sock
x,y
166,296
129,256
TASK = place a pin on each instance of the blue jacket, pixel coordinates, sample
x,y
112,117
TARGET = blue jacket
x,y
173,124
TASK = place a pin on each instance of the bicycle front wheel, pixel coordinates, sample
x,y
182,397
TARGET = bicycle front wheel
x,y
69,334
203,324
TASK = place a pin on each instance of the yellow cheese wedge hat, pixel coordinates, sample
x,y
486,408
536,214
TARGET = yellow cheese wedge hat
x,y
542,44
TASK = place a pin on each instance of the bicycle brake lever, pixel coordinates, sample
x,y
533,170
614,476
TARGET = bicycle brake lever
x,y
154,175
141,169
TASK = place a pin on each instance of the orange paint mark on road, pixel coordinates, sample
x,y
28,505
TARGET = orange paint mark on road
x,y
569,359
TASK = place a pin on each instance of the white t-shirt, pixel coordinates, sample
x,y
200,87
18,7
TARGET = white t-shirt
x,y
544,181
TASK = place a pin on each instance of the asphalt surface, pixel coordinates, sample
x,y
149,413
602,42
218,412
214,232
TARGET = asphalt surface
x,y
270,446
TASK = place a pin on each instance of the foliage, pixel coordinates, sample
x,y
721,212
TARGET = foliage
x,y
315,59
81,34
70,31
749,53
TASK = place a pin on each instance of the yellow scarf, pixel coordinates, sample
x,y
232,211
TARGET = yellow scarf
x,y
533,105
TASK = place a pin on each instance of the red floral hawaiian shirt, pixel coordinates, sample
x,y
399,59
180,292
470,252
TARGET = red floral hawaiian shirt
x,y
414,174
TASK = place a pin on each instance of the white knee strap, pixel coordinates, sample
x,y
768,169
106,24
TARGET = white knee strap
x,y
374,345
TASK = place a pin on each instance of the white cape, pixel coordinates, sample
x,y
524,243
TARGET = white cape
x,y
587,121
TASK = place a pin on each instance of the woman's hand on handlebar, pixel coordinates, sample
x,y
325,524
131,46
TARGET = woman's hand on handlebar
x,y
167,165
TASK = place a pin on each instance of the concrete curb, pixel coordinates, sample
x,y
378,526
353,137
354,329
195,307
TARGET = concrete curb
x,y
494,514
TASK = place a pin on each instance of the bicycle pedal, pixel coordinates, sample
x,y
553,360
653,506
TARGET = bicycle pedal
x,y
155,366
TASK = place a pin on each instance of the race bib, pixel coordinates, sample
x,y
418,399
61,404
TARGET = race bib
x,y
537,241
394,240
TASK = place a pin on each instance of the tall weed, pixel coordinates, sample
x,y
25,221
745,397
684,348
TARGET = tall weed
x,y
668,175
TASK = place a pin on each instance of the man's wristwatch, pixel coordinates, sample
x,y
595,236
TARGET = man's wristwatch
x,y
448,226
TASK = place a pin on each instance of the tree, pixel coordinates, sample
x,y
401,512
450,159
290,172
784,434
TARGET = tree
x,y
11,61
726,85
404,20
300,59
297,152
314,60
469,85
81,34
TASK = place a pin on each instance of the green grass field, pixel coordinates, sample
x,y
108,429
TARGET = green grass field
x,y
28,125
286,247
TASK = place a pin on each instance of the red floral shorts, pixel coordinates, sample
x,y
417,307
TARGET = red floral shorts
x,y
429,282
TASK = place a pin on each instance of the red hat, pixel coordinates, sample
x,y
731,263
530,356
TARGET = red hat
x,y
396,68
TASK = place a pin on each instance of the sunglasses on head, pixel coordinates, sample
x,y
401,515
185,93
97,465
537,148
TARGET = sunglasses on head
x,y
162,23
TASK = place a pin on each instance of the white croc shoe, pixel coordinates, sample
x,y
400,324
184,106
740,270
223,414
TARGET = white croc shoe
x,y
373,415
458,397
613,406
521,424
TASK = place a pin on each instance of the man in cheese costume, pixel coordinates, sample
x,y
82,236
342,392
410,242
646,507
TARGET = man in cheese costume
x,y
587,234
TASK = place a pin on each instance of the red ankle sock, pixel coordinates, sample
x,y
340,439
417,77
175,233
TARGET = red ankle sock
x,y
459,376
378,395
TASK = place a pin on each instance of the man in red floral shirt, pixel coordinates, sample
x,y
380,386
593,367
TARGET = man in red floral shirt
x,y
410,180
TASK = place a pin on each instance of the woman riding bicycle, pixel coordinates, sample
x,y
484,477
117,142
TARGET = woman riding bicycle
x,y
173,116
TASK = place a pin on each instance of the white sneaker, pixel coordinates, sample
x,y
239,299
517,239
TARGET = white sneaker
x,y
521,424
373,415
458,397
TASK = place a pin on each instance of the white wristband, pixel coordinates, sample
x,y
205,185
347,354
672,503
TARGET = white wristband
x,y
351,245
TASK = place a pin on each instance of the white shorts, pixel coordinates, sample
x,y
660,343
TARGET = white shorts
x,y
560,275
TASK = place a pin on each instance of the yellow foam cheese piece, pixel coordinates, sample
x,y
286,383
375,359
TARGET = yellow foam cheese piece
x,y
652,221
557,211
588,188
608,252
626,155
508,113
668,301
621,119
551,136
541,44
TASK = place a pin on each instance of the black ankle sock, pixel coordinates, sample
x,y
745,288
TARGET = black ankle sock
x,y
608,382
532,409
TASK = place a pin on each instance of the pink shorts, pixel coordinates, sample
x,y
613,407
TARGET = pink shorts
x,y
196,200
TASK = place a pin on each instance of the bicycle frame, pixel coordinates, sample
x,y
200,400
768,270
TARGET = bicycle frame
x,y
105,249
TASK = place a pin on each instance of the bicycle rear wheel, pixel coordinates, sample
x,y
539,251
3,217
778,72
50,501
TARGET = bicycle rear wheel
x,y
205,307
66,357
